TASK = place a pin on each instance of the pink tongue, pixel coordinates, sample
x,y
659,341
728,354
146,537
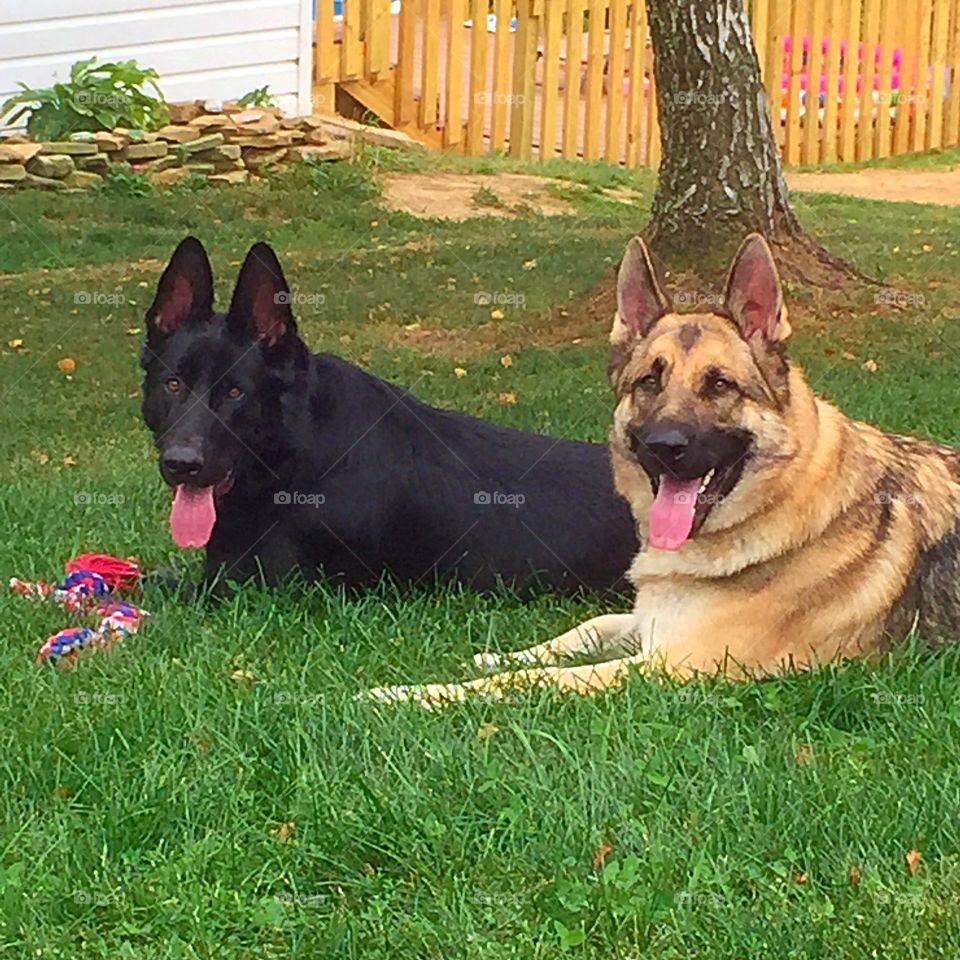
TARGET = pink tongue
x,y
192,516
671,516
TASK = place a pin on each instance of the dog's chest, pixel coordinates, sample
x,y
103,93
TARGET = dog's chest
x,y
665,610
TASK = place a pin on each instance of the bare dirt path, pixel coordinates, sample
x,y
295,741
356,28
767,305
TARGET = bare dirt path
x,y
915,185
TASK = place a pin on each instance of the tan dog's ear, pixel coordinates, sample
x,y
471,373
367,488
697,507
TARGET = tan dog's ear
x,y
640,301
754,298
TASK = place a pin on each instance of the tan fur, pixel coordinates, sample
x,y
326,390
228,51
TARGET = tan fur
x,y
806,560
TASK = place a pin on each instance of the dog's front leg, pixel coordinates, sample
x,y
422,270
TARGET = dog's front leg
x,y
584,679
606,637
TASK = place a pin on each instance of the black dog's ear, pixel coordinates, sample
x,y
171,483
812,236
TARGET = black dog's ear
x,y
260,308
185,291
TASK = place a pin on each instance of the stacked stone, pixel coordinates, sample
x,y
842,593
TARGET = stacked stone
x,y
229,146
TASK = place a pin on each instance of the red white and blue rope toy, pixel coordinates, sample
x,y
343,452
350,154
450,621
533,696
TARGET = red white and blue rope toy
x,y
88,591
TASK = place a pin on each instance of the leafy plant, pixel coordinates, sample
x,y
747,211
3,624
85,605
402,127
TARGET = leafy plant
x,y
97,97
124,181
260,97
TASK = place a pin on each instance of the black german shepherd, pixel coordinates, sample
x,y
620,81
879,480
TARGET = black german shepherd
x,y
282,460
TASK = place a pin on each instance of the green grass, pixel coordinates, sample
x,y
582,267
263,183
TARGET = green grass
x,y
141,796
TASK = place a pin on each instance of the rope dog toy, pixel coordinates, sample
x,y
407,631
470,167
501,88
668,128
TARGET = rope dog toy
x,y
87,591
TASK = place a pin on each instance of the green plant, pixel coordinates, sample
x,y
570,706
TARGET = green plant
x,y
485,197
260,97
97,97
193,182
124,181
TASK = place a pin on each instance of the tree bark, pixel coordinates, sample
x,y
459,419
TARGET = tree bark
x,y
720,173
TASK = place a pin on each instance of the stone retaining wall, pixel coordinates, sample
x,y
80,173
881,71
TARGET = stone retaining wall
x,y
225,147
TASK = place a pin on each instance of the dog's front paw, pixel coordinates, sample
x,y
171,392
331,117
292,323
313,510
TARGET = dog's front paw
x,y
487,662
427,695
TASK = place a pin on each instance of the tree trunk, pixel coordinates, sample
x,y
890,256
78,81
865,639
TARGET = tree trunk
x,y
720,176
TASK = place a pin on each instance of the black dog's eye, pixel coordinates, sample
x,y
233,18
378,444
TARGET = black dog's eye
x,y
172,384
234,393
649,382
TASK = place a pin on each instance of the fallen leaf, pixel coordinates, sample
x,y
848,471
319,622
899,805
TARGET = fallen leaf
x,y
242,676
487,730
42,458
913,861
602,852
459,372
63,792
496,314
508,397
69,461
530,264
285,831
200,740
854,874
410,327
16,344
66,365
133,331
800,877
804,753
871,365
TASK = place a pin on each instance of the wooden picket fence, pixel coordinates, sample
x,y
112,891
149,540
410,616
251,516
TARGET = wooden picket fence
x,y
846,79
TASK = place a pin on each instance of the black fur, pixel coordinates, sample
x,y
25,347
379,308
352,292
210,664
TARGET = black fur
x,y
396,485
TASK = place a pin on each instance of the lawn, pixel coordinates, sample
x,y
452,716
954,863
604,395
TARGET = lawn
x,y
213,788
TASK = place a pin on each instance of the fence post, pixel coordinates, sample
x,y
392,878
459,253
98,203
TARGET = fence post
x,y
529,13
406,63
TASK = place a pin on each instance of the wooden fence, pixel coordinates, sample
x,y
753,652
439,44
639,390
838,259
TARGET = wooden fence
x,y
846,79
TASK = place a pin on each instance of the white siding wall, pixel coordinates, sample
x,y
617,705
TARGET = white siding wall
x,y
201,48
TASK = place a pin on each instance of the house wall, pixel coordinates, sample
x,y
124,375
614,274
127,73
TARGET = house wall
x,y
217,49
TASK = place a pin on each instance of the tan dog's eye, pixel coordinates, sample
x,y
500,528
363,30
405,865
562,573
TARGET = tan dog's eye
x,y
234,393
718,385
173,384
650,383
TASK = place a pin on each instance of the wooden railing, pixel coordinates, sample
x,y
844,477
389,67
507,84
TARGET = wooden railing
x,y
846,79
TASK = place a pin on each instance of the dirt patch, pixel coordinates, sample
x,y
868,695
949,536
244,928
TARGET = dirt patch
x,y
457,196
916,186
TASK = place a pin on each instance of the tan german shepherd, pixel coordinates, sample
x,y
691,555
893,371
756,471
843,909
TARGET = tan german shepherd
x,y
778,533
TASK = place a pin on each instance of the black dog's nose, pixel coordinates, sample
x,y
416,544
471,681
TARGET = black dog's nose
x,y
182,462
666,444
